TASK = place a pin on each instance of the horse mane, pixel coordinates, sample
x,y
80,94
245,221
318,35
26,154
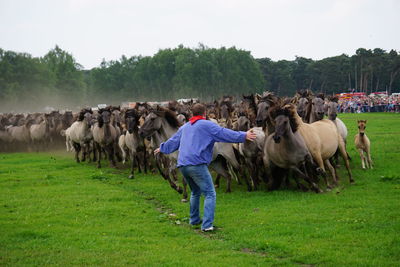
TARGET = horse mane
x,y
228,102
81,115
308,111
169,115
307,93
132,113
333,98
320,95
252,101
173,105
268,97
285,110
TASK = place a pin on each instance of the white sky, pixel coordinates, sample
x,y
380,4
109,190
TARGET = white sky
x,y
95,29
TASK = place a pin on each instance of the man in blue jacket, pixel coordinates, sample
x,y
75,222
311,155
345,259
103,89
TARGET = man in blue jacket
x,y
195,141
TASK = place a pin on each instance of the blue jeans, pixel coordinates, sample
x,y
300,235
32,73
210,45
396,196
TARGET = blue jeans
x,y
200,181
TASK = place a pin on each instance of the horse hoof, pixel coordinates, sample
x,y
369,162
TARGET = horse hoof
x,y
184,200
216,186
131,176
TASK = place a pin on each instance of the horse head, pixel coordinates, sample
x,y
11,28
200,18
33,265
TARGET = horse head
x,y
132,120
332,107
318,107
285,122
267,101
302,104
104,117
243,123
152,123
362,125
155,119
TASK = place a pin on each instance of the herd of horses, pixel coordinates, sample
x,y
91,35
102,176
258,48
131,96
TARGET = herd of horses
x,y
294,142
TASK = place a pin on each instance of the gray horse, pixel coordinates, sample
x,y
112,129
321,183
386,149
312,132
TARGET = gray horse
x,y
105,137
286,149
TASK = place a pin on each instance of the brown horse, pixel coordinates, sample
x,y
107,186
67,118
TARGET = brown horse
x,y
363,145
323,140
105,137
286,148
265,102
315,109
134,142
160,125
303,98
248,107
226,112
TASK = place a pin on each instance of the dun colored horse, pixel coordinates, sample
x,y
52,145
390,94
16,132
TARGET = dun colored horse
x,y
160,125
286,148
363,145
323,140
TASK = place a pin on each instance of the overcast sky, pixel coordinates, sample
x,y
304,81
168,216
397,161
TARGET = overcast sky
x,y
95,29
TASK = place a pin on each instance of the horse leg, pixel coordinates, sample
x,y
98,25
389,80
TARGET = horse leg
x,y
123,154
307,179
110,152
94,151
77,148
98,148
232,171
217,181
132,175
220,168
361,152
138,163
145,161
344,154
336,163
84,152
159,161
277,176
90,150
168,178
185,194
253,174
333,172
299,185
116,152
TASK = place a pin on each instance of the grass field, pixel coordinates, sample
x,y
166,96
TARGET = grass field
x,y
54,211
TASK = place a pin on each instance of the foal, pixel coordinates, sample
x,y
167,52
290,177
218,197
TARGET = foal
x,y
362,143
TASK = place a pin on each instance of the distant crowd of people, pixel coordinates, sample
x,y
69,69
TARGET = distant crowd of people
x,y
370,104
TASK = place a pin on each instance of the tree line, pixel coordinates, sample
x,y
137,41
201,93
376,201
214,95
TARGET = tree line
x,y
58,80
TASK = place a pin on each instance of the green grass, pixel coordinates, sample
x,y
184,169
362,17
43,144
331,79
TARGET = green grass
x,y
56,212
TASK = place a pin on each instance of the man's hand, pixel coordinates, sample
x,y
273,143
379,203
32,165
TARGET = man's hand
x,y
156,151
250,135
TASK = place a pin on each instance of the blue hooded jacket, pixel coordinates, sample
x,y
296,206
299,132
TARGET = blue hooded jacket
x,y
195,142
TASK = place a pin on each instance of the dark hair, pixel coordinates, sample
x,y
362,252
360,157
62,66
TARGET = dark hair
x,y
198,109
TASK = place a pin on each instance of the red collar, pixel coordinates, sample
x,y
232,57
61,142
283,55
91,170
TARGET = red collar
x,y
196,118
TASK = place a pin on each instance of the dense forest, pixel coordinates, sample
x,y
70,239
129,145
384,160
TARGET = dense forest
x,y
28,83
